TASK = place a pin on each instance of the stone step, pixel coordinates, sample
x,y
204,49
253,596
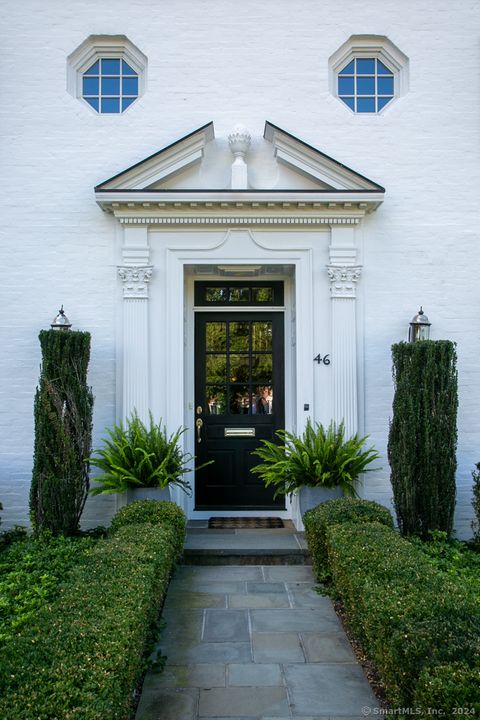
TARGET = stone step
x,y
245,557
245,547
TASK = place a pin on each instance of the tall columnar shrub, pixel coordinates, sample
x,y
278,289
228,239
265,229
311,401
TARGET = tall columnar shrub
x,y
476,504
423,436
63,428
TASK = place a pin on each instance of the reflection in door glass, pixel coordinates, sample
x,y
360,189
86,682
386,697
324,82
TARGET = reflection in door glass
x,y
262,336
239,368
216,368
240,400
239,295
216,400
216,336
263,400
239,336
216,294
262,295
262,368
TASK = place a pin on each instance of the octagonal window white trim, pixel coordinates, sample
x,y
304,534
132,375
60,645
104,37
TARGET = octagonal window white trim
x,y
98,47
366,47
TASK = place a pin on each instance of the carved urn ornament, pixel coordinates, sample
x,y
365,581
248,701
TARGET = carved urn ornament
x,y
239,141
419,327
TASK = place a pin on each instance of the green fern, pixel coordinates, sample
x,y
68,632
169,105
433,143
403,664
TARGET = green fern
x,y
318,458
140,456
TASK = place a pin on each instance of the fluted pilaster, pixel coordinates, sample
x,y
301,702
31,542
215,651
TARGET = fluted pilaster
x,y
343,281
136,372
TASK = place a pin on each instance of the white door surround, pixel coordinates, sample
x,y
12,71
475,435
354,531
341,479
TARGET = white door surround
x,y
310,235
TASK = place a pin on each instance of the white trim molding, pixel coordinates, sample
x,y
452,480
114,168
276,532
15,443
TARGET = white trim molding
x,y
371,46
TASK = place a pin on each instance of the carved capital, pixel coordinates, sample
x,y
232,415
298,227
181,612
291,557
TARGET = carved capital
x,y
343,279
135,280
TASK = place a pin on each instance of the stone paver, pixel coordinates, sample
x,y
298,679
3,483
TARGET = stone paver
x,y
277,647
258,701
259,600
320,647
321,689
254,675
296,620
253,643
226,626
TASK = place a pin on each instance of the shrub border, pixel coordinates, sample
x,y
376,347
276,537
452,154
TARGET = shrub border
x,y
84,653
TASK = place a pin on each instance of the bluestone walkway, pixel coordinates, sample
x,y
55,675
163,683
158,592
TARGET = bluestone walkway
x,y
253,641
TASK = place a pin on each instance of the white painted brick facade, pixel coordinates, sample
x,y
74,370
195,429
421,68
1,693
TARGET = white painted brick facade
x,y
227,61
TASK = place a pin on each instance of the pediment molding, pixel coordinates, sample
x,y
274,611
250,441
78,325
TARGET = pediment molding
x,y
172,159
313,163
341,195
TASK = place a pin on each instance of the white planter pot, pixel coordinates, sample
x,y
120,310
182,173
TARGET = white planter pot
x,y
147,493
310,497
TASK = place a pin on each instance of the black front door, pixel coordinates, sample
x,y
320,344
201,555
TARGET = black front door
x,y
239,400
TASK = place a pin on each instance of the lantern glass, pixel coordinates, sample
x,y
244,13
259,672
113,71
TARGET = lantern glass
x,y
61,321
419,327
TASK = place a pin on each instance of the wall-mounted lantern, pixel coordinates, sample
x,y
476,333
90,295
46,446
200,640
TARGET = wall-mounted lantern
x,y
419,327
61,321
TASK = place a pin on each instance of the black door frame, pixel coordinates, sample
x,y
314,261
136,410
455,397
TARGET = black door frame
x,y
239,313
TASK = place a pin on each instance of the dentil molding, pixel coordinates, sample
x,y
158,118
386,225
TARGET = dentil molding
x,y
135,280
343,279
237,220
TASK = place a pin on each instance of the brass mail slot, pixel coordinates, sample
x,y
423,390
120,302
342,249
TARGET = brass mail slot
x,y
239,432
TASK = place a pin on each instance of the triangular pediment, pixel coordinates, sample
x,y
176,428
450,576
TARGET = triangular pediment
x,y
282,178
278,161
169,162
304,160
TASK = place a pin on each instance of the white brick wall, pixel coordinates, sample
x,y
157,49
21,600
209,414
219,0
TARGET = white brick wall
x,y
228,61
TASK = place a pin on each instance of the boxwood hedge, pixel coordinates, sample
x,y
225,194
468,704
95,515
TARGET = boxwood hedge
x,y
454,688
83,655
318,519
410,618
156,512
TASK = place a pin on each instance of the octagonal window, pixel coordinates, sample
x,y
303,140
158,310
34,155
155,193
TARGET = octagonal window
x,y
107,72
368,73
110,85
366,85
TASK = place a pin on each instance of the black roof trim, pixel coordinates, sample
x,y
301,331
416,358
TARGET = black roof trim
x,y
234,191
311,147
98,188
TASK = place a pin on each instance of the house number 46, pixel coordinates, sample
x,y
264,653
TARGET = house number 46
x,y
319,359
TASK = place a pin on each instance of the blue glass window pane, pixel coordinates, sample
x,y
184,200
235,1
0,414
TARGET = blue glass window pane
x,y
110,105
385,85
382,101
126,102
93,102
365,104
348,70
366,66
130,86
126,69
94,70
365,86
110,86
349,101
345,86
382,69
111,67
90,86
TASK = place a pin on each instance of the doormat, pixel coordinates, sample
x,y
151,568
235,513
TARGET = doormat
x,y
245,523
